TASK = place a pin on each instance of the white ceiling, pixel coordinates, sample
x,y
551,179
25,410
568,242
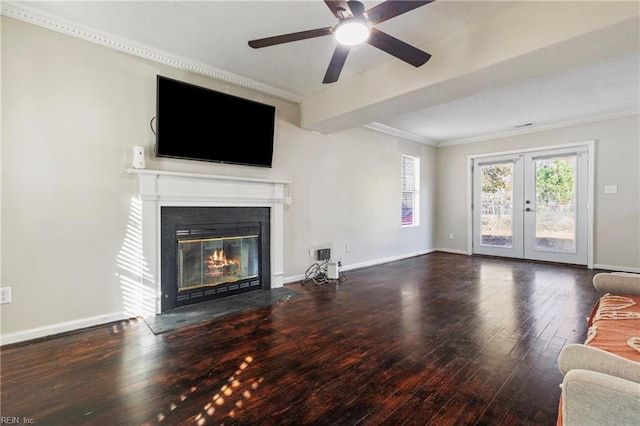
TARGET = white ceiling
x,y
213,35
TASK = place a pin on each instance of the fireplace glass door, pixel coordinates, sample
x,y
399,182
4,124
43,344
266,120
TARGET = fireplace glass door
x,y
210,262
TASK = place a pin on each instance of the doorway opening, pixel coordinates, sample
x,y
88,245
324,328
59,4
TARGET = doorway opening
x,y
533,204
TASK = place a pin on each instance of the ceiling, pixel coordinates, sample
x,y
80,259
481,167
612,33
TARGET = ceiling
x,y
590,76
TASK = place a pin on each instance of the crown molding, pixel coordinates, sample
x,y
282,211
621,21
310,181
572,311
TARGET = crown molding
x,y
25,14
379,127
541,128
383,128
30,16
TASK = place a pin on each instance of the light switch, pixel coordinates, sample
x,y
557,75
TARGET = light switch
x,y
611,189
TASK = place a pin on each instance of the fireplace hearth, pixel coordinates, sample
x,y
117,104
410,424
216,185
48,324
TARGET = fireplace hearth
x,y
213,252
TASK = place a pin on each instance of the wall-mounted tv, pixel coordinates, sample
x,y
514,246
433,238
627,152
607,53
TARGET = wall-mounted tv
x,y
196,123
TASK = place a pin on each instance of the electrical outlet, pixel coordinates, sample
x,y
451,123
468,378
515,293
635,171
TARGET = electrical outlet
x,y
5,295
451,235
324,254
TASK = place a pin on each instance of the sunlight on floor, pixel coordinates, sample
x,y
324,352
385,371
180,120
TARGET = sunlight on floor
x,y
226,391
232,395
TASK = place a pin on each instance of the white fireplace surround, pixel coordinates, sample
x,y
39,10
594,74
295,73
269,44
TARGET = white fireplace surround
x,y
163,188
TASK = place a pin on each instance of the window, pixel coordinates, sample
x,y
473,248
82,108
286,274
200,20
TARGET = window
x,y
410,189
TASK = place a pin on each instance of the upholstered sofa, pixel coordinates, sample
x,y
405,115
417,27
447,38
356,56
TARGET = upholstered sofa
x,y
601,384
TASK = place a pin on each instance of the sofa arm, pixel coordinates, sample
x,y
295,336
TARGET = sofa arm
x,y
592,398
583,357
617,283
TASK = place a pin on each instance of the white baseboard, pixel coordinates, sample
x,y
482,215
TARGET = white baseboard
x,y
61,327
596,266
295,278
35,333
617,268
385,260
453,251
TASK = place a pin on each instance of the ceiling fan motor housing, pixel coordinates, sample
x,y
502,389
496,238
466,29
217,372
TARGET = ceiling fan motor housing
x,y
357,8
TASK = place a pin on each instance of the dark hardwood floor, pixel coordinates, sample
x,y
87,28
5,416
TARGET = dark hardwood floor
x,y
439,339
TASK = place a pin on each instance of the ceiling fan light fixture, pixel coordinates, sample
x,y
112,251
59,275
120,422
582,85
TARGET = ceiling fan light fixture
x,y
356,25
351,32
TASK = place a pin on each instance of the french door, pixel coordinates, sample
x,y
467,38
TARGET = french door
x,y
532,205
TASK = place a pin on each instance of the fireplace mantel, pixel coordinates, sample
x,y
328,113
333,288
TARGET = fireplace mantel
x,y
164,188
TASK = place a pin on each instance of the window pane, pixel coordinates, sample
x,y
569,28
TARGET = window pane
x,y
408,174
407,208
497,201
556,204
410,177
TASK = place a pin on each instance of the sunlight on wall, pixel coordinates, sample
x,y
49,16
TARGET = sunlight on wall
x,y
136,281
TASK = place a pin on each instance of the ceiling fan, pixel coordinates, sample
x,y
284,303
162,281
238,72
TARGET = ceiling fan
x,y
355,26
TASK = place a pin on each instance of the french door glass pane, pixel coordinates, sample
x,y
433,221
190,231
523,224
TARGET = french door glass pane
x,y
497,205
556,204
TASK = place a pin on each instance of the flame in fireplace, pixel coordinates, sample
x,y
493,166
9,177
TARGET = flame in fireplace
x,y
218,262
218,256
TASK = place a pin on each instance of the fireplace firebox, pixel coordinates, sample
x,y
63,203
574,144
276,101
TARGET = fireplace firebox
x,y
212,252
215,261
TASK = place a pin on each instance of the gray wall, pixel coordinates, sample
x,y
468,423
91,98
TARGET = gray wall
x,y
71,113
72,110
617,162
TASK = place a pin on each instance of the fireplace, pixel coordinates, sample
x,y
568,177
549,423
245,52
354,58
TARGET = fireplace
x,y
213,252
252,206
216,261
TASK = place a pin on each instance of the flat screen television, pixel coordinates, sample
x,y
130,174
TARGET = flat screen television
x,y
196,123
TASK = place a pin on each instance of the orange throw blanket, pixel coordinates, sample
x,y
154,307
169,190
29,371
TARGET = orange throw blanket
x,y
605,327
606,333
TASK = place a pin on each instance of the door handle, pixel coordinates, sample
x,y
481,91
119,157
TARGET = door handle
x,y
528,209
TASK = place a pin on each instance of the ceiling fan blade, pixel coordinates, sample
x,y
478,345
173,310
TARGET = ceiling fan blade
x,y
339,8
286,38
398,48
335,65
392,8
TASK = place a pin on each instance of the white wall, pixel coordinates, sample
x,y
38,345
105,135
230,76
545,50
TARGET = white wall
x,y
617,161
347,191
71,112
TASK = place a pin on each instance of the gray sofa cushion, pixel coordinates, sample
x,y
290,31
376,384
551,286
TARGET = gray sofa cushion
x,y
583,357
617,283
593,398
